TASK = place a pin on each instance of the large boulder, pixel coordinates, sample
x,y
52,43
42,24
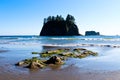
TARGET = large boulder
x,y
54,60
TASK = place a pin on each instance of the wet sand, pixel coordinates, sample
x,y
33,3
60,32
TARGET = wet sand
x,y
8,71
69,73
2,51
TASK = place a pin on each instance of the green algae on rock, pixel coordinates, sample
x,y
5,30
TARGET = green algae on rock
x,y
75,53
35,52
52,52
36,63
55,57
33,63
54,60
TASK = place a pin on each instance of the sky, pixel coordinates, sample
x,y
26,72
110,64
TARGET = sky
x,y
25,17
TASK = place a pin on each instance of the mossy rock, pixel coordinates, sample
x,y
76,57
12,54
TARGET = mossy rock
x,y
52,52
35,65
56,57
67,54
21,63
54,60
35,52
82,56
79,49
76,53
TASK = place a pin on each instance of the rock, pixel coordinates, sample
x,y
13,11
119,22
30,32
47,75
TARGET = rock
x,y
20,63
81,56
90,33
51,52
35,53
67,49
35,65
54,60
63,58
55,27
56,57
78,49
67,54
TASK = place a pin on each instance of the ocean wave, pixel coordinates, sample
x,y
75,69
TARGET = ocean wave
x,y
63,38
100,41
87,39
84,45
81,38
61,45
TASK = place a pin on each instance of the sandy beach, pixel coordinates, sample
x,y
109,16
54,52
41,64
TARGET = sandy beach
x,y
70,71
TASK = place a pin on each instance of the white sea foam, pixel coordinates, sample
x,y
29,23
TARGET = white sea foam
x,y
92,41
84,45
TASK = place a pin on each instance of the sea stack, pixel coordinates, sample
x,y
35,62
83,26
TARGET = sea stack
x,y
58,26
91,33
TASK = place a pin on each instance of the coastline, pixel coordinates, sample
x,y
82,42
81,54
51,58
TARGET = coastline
x,y
105,66
70,71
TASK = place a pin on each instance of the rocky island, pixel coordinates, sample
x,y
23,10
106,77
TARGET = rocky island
x,y
58,26
91,33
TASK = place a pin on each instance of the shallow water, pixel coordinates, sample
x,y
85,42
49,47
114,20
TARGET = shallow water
x,y
108,58
19,48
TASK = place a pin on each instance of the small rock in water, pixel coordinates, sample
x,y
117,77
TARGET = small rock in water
x,y
20,63
35,53
54,60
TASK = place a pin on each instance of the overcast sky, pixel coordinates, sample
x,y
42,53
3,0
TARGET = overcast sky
x,y
25,17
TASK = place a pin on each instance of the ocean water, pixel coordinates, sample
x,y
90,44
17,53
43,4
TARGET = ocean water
x,y
108,41
108,47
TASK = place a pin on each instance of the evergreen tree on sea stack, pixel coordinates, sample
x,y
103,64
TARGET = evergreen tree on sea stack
x,y
58,26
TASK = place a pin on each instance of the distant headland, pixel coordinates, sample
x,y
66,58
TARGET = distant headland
x,y
58,26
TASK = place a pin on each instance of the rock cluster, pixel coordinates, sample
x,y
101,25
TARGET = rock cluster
x,y
55,57
36,63
75,53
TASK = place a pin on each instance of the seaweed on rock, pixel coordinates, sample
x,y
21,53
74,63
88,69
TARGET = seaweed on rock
x,y
55,57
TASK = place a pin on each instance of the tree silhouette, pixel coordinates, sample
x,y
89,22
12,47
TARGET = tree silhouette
x,y
59,18
49,18
52,18
70,19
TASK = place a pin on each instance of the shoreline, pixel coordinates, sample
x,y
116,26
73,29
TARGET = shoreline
x,y
70,71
